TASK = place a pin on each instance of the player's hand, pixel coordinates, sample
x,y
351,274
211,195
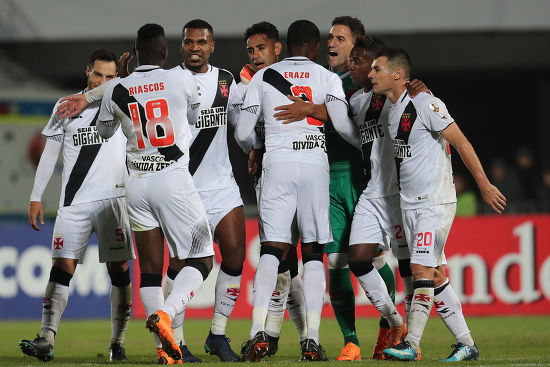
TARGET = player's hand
x,y
35,208
492,196
123,62
415,86
255,157
71,106
296,111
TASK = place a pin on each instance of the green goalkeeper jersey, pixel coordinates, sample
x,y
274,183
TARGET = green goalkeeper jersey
x,y
341,155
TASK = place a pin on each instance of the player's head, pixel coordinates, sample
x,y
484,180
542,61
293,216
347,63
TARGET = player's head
x,y
342,35
101,68
363,53
197,44
151,47
303,39
262,44
391,67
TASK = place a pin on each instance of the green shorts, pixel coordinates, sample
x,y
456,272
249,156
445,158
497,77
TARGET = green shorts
x,y
345,189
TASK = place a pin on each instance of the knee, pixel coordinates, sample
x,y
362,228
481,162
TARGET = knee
x,y
314,252
203,265
338,260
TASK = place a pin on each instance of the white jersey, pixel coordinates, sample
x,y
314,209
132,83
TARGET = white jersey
x,y
93,167
370,114
260,124
152,106
301,141
220,103
422,155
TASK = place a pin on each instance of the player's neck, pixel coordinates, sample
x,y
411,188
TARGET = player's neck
x,y
396,92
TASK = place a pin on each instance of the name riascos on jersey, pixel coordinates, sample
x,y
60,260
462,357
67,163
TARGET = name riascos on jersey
x,y
87,136
311,141
211,117
370,130
146,88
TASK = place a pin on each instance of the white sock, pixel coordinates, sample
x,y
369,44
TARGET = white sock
x,y
186,284
264,284
277,303
167,285
420,311
177,327
449,308
56,297
228,288
314,293
152,300
377,293
121,308
408,290
296,306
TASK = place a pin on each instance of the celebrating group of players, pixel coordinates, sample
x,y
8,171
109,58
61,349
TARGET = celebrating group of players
x,y
352,160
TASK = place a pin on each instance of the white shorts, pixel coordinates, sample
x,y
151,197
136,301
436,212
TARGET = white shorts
x,y
169,200
217,203
379,221
292,190
427,230
295,234
107,218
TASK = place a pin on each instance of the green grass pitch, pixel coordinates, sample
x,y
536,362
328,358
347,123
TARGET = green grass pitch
x,y
511,341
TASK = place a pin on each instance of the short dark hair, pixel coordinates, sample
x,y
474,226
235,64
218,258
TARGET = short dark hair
x,y
354,24
302,33
102,54
199,24
146,35
397,57
266,28
372,45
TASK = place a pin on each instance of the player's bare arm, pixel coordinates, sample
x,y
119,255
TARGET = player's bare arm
x,y
299,110
415,86
491,195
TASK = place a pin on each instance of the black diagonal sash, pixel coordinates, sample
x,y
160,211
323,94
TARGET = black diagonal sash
x,y
204,138
373,113
122,98
406,122
278,82
84,161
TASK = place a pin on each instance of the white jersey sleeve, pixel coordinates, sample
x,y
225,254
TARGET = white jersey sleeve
x,y
55,125
433,112
192,95
234,105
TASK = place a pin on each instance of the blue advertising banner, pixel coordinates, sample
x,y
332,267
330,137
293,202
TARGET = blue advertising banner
x,y
25,264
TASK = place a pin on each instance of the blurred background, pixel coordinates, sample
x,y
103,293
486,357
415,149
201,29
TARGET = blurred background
x,y
488,60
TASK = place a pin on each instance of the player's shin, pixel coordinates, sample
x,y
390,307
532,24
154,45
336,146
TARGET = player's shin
x,y
121,305
314,292
264,284
449,308
56,297
295,304
150,292
420,310
277,303
228,287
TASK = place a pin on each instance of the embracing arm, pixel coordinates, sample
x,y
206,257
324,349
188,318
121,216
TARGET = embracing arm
x,y
338,112
299,110
244,132
491,195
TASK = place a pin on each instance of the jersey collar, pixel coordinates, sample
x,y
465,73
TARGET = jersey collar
x,y
210,68
146,68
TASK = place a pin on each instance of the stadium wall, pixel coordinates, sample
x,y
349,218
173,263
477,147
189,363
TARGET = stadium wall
x,y
498,265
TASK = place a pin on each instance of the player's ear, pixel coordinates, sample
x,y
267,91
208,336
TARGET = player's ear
x,y
88,70
278,48
397,74
212,46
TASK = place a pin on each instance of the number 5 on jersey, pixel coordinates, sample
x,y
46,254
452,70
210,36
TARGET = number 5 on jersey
x,y
158,126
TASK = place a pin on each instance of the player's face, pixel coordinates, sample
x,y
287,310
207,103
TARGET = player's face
x,y
381,75
360,67
100,72
262,51
197,45
340,43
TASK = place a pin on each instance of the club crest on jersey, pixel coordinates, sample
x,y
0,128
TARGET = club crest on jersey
x,y
58,241
224,89
405,122
377,102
